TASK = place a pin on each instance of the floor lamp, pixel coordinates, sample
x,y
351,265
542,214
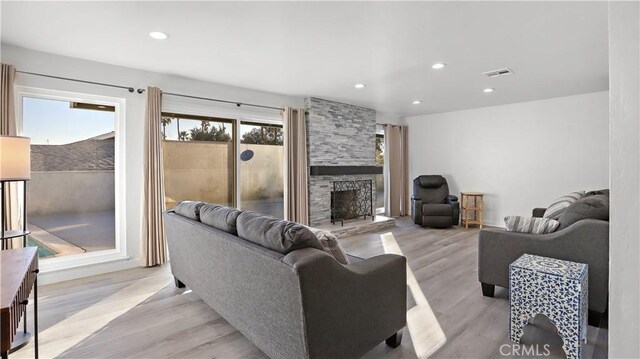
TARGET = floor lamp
x,y
15,166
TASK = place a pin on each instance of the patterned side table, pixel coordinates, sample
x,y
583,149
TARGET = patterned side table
x,y
555,288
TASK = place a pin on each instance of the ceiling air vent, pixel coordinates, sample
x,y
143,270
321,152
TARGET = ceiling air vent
x,y
498,73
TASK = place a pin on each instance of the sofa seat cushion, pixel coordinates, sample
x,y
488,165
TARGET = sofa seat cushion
x,y
220,217
436,209
533,225
275,234
189,209
331,245
591,207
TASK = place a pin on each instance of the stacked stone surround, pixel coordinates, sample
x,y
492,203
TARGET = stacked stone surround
x,y
338,134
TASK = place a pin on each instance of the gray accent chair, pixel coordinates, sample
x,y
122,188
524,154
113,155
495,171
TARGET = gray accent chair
x,y
585,241
431,204
300,304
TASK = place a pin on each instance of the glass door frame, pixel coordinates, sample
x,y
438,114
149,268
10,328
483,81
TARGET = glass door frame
x,y
237,115
120,251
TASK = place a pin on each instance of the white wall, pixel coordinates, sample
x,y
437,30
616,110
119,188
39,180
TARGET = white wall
x,y
624,278
33,61
520,155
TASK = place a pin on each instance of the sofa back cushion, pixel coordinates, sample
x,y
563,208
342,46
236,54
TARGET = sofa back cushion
x,y
555,210
220,217
189,209
591,207
275,234
533,225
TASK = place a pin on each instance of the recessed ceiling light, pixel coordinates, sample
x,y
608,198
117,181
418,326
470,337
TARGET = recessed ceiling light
x,y
438,66
359,86
488,90
158,35
416,102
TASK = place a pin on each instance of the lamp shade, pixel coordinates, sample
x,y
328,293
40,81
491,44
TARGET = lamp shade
x,y
15,158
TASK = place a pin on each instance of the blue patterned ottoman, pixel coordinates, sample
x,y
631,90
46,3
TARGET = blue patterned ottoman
x,y
555,288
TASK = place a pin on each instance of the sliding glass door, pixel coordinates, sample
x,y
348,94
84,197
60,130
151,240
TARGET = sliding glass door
x,y
198,155
225,161
261,168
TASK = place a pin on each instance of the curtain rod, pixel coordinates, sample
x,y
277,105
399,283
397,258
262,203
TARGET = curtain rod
x,y
217,100
130,89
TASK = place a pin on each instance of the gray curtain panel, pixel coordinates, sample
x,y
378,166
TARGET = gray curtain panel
x,y
154,245
297,176
396,175
11,211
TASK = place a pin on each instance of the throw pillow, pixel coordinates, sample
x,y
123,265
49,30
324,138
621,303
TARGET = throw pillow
x,y
331,245
275,234
554,211
533,225
220,217
189,209
592,207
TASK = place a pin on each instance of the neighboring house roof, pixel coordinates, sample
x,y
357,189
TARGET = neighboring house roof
x,y
93,154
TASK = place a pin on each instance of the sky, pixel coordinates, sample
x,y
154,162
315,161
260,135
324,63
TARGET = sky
x,y
55,123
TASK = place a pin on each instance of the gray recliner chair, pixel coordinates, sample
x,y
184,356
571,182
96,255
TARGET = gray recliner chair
x,y
431,204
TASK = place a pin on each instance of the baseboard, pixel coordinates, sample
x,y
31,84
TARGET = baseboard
x,y
62,275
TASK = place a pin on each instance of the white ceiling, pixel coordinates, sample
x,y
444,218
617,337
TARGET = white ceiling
x,y
323,49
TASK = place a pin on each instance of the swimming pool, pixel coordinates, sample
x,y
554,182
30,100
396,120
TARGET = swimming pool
x,y
43,251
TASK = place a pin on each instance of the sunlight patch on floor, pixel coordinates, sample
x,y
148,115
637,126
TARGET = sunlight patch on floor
x,y
88,322
426,334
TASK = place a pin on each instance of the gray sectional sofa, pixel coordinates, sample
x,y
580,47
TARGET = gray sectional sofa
x,y
271,281
583,237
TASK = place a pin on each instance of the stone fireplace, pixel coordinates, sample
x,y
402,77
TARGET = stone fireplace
x,y
341,147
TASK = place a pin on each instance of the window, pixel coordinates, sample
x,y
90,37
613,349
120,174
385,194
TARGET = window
x,y
203,161
380,163
74,193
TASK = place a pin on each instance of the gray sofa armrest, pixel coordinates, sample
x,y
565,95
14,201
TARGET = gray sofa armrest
x,y
538,212
331,292
416,210
586,241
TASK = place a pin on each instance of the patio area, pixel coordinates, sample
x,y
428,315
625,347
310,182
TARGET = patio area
x,y
74,233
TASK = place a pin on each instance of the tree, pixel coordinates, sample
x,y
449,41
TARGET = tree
x,y
264,135
183,136
165,121
206,132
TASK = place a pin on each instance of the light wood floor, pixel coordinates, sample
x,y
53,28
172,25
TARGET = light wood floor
x,y
138,313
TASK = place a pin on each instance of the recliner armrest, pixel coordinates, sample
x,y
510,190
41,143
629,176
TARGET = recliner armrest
x,y
451,198
416,210
414,198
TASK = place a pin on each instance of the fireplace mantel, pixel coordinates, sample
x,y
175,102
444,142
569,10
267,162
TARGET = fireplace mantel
x,y
344,170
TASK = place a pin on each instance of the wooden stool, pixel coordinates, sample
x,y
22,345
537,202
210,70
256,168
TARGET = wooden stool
x,y
472,208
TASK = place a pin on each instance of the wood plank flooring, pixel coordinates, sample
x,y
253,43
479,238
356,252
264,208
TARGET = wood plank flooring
x,y
138,313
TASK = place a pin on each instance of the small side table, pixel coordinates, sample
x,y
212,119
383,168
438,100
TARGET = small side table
x,y
472,208
19,274
556,288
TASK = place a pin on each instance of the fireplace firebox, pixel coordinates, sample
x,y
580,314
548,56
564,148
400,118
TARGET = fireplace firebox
x,y
351,199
